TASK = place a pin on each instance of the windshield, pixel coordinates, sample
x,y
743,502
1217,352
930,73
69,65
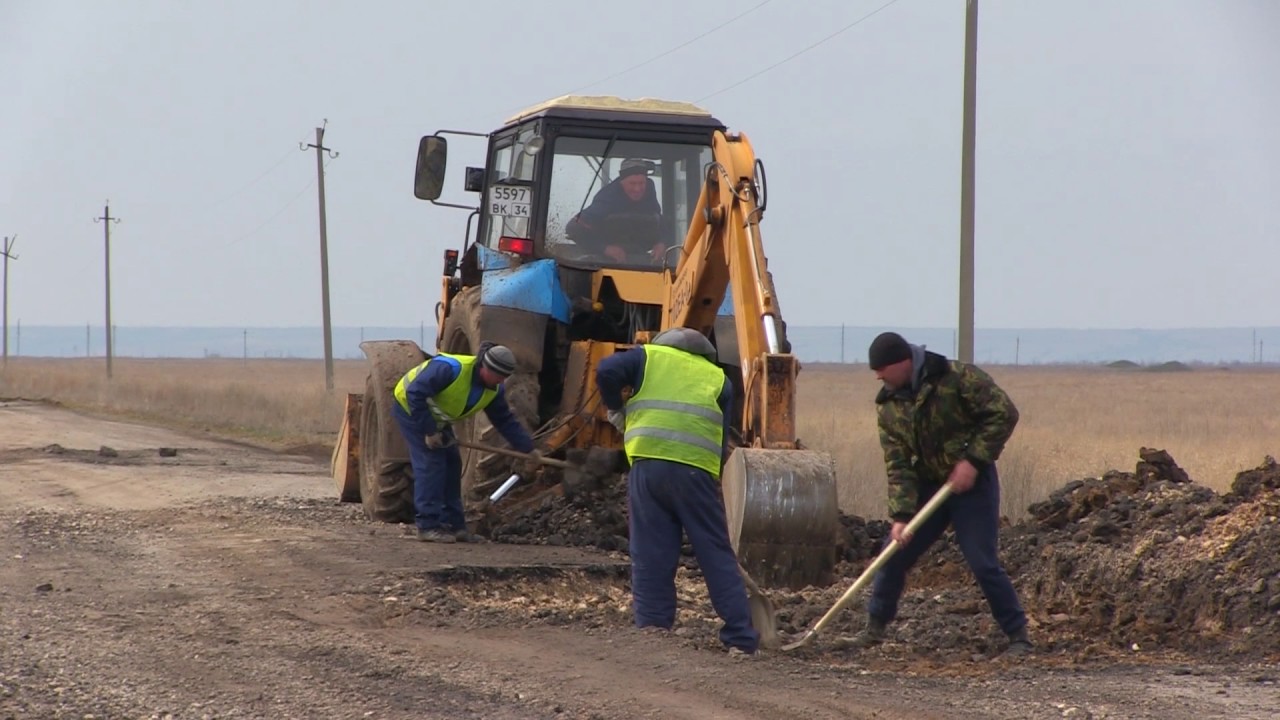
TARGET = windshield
x,y
622,203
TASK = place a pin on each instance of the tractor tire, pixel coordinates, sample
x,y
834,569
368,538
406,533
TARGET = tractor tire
x,y
462,336
386,489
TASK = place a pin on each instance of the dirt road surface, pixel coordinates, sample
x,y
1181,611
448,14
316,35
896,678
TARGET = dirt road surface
x,y
226,582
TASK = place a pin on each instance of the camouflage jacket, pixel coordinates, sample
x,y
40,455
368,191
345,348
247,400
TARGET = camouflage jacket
x,y
958,412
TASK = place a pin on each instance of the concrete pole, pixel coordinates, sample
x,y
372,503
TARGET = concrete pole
x,y
965,350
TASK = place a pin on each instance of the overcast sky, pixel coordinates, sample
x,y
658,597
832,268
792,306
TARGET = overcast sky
x,y
1128,152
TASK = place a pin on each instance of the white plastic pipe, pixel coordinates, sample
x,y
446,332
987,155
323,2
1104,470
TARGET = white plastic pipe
x,y
506,487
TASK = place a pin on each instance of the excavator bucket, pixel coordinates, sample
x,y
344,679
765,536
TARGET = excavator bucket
x,y
782,513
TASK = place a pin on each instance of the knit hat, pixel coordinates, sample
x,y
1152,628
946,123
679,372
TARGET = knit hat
x,y
499,359
634,166
888,348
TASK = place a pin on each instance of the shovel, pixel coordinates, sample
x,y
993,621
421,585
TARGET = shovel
x,y
594,467
934,503
550,462
764,616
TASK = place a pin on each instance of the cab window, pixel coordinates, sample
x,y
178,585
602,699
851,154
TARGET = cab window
x,y
621,203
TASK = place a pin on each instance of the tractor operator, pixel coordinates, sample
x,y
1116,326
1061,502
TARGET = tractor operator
x,y
942,421
675,433
429,399
624,219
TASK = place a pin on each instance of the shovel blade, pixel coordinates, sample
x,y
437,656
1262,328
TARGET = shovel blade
x,y
804,640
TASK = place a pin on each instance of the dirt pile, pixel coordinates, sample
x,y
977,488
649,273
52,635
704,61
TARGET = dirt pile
x,y
1129,562
1150,558
590,517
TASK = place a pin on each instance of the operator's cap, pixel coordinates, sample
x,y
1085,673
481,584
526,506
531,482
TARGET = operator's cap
x,y
500,360
888,348
633,166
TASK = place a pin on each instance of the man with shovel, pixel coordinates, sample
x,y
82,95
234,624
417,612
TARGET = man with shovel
x,y
429,399
941,422
675,431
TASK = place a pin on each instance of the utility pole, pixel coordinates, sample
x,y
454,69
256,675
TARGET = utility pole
x,y
965,351
106,221
324,253
8,255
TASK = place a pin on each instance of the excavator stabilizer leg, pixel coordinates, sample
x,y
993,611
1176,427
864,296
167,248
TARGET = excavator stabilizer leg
x,y
783,516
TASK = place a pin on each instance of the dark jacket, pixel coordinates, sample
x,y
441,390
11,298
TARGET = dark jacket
x,y
956,411
587,226
437,376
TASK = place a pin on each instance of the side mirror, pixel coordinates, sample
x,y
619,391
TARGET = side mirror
x,y
474,181
428,177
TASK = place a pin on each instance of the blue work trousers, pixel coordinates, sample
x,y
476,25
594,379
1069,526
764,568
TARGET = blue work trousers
x,y
664,498
437,479
975,515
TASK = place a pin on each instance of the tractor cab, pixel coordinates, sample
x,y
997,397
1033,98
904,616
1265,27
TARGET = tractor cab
x,y
590,182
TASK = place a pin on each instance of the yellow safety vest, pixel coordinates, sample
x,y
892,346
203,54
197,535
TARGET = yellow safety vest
x,y
449,405
674,415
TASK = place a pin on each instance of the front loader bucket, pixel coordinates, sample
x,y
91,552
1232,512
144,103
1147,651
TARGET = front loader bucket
x,y
783,516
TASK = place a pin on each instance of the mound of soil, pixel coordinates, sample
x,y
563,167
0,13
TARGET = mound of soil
x,y
1143,561
1151,558
593,517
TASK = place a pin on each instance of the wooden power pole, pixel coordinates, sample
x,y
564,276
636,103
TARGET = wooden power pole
x,y
324,254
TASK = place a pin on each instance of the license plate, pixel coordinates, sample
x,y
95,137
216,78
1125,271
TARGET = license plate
x,y
510,201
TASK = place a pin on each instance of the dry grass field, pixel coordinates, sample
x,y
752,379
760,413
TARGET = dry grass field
x,y
1076,422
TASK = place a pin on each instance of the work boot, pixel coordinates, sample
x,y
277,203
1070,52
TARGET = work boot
x,y
870,636
466,536
738,653
1019,644
436,535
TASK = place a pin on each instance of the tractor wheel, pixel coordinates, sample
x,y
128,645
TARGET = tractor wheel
x,y
386,488
462,336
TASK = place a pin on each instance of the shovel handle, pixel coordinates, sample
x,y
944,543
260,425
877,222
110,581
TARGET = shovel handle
x,y
925,512
552,462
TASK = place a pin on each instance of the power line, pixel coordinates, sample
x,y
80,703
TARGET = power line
x,y
798,53
288,154
277,213
681,46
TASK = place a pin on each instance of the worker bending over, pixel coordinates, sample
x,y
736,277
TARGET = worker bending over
x,y
675,433
430,398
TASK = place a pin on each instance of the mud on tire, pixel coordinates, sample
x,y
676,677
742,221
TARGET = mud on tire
x,y
462,335
386,476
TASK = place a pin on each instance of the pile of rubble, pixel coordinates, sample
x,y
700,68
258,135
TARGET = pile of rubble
x,y
1129,562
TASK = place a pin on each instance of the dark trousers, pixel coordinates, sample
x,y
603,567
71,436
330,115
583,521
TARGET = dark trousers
x,y
975,515
437,479
664,498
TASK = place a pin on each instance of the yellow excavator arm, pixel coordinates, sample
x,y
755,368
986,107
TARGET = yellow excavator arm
x,y
723,252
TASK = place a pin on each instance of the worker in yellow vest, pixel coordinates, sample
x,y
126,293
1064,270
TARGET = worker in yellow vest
x,y
675,431
429,399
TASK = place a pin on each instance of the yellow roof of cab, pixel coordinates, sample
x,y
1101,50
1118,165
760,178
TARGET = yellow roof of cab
x,y
609,102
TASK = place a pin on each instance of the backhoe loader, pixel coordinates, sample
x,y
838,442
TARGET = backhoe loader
x,y
565,264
